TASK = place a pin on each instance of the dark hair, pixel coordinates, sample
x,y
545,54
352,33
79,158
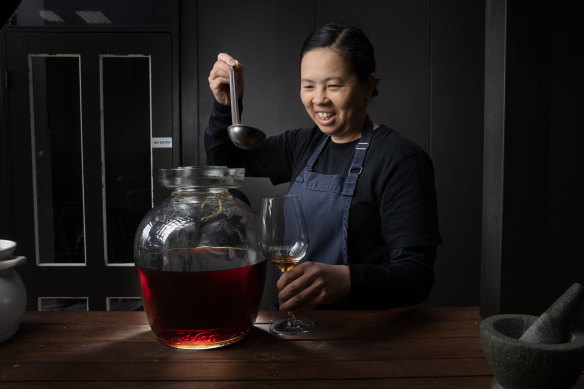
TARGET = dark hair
x,y
350,42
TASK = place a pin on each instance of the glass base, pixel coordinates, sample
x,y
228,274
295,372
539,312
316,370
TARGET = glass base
x,y
295,327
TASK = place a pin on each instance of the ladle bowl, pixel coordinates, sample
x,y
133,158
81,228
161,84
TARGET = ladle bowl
x,y
244,137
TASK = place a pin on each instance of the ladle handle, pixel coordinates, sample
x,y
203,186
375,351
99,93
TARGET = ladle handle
x,y
233,96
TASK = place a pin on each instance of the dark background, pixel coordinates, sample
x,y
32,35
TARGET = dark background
x,y
491,89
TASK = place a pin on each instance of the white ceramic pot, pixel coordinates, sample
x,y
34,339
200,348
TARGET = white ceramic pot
x,y
12,291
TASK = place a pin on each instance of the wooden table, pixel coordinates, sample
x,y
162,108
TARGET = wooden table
x,y
403,348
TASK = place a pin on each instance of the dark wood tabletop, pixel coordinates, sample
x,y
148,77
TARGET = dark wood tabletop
x,y
401,348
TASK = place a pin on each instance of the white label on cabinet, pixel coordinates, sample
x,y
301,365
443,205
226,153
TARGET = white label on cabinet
x,y
162,143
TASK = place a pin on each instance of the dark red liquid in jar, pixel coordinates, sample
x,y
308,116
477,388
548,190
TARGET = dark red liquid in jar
x,y
202,309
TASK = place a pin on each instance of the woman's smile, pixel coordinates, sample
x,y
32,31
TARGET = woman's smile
x,y
325,118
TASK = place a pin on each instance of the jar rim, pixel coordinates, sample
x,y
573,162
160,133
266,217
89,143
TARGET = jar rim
x,y
188,177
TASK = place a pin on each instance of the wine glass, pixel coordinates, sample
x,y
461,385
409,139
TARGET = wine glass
x,y
284,240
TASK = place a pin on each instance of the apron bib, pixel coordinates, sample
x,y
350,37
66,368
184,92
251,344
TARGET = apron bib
x,y
326,200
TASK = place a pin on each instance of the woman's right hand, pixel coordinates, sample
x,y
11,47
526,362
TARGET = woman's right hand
x,y
219,78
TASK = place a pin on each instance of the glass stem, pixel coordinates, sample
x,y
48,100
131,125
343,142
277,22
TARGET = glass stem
x,y
291,320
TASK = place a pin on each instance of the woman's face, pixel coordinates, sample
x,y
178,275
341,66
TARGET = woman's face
x,y
332,94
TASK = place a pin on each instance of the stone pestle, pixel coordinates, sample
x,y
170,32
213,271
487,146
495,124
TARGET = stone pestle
x,y
553,326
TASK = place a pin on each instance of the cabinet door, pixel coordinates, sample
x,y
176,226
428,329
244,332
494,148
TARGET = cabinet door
x,y
91,122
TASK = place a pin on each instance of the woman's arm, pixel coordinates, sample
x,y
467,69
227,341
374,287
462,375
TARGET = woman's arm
x,y
409,226
406,280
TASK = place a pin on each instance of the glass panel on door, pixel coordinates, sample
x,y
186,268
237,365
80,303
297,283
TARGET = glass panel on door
x,y
57,158
127,155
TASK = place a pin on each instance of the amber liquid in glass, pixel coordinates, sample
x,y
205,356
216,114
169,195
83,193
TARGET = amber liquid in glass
x,y
202,309
284,262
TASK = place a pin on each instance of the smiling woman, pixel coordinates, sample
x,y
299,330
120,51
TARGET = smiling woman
x,y
348,172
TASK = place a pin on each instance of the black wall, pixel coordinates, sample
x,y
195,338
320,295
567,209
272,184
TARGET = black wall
x,y
532,219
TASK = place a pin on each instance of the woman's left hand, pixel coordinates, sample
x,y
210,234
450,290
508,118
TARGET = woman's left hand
x,y
311,284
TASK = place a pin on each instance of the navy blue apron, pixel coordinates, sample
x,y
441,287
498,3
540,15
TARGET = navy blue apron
x,y
326,200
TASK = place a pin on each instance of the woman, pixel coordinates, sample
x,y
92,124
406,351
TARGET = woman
x,y
367,192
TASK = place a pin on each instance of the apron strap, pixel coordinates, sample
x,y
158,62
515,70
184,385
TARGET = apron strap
x,y
312,160
358,158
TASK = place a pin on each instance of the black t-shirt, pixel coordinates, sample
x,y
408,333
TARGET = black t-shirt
x,y
393,227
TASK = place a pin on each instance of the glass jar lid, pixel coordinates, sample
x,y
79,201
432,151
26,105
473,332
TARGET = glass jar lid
x,y
193,177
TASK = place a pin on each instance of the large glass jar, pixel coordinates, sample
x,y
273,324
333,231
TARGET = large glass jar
x,y
197,255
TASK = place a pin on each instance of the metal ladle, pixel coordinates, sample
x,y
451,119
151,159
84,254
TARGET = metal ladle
x,y
244,137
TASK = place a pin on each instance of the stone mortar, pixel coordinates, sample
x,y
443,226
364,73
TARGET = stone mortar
x,y
517,364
